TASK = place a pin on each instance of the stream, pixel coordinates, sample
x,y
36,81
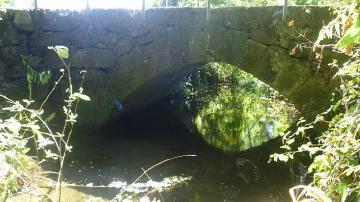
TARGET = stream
x,y
119,151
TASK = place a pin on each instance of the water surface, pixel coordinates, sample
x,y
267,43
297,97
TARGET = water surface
x,y
119,151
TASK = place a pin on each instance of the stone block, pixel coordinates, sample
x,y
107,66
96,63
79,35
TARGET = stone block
x,y
62,20
256,61
2,67
23,21
9,36
264,35
101,38
92,58
11,54
124,46
228,45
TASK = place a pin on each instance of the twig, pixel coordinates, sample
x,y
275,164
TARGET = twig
x,y
36,115
52,90
161,162
161,196
66,143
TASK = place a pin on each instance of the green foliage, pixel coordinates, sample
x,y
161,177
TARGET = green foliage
x,y
4,1
22,126
34,77
255,3
351,36
18,125
314,2
336,153
61,51
224,3
234,111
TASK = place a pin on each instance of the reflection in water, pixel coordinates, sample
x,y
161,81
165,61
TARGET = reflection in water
x,y
231,110
236,120
241,111
118,153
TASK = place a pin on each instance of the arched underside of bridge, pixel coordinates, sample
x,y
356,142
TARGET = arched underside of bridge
x,y
138,59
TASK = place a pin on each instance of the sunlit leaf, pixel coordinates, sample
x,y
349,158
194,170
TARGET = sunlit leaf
x,y
82,96
13,125
62,51
351,36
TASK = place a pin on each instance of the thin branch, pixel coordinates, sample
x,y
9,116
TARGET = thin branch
x,y
161,196
52,90
161,162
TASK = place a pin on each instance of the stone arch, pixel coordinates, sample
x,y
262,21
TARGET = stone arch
x,y
137,60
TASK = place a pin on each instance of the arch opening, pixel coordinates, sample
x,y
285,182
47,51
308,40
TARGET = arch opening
x,y
232,110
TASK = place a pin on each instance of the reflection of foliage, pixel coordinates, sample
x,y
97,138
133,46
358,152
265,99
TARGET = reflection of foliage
x,y
247,170
336,152
235,111
196,197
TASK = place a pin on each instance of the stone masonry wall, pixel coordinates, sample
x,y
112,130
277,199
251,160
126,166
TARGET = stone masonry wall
x,y
138,59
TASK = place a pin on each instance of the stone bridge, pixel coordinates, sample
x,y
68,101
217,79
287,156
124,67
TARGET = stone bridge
x,y
138,58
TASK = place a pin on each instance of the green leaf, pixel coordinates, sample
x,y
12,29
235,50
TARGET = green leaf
x,y
283,157
285,147
62,51
13,125
353,161
290,141
279,157
50,117
352,35
81,96
342,189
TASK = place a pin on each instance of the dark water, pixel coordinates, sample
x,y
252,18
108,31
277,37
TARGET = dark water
x,y
119,151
